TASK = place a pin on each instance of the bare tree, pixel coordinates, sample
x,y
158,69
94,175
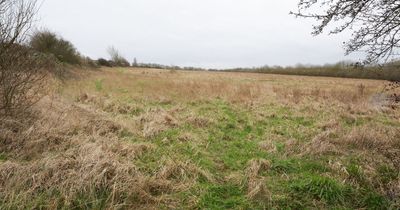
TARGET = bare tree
x,y
21,69
375,24
135,63
23,80
117,58
16,18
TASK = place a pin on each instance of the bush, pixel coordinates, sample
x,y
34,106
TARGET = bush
x,y
22,77
104,62
88,62
49,43
22,70
117,58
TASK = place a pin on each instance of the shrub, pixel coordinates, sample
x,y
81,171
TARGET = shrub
x,y
86,61
22,71
49,43
104,62
22,77
117,58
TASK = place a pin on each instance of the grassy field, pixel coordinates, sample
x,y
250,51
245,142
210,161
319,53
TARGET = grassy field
x,y
152,139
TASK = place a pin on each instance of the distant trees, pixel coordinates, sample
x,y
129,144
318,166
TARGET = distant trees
x,y
135,63
375,24
104,62
116,57
50,43
343,69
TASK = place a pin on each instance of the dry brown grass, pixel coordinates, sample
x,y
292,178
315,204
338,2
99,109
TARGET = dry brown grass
x,y
155,121
72,151
199,121
320,145
381,141
238,88
182,171
163,86
90,135
256,188
268,146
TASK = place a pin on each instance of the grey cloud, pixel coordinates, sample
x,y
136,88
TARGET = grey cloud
x,y
205,33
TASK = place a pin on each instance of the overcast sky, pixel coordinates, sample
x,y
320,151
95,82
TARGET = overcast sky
x,y
202,33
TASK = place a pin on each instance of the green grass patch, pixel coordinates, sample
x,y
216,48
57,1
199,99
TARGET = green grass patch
x,y
372,200
320,188
356,172
388,173
3,157
224,197
99,84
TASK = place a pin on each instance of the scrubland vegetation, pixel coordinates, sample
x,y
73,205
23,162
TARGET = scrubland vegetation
x,y
124,138
74,135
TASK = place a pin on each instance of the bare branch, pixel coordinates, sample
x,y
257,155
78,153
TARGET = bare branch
x,y
375,24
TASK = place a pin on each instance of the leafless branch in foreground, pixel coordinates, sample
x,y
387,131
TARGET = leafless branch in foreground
x,y
375,24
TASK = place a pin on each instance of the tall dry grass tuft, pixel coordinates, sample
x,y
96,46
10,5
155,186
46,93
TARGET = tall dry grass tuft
x,y
321,145
383,142
340,95
268,146
156,121
256,188
182,172
380,141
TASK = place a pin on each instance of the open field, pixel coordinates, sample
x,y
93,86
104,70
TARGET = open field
x,y
123,138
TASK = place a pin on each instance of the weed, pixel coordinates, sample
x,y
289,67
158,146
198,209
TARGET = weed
x,y
99,84
356,173
372,200
284,166
3,157
387,174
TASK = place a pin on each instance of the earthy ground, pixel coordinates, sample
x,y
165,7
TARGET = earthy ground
x,y
154,139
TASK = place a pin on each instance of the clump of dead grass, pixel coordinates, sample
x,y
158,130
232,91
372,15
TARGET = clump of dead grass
x,y
256,188
156,121
321,145
268,146
352,95
107,105
378,141
329,125
199,121
186,137
236,178
373,138
182,172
